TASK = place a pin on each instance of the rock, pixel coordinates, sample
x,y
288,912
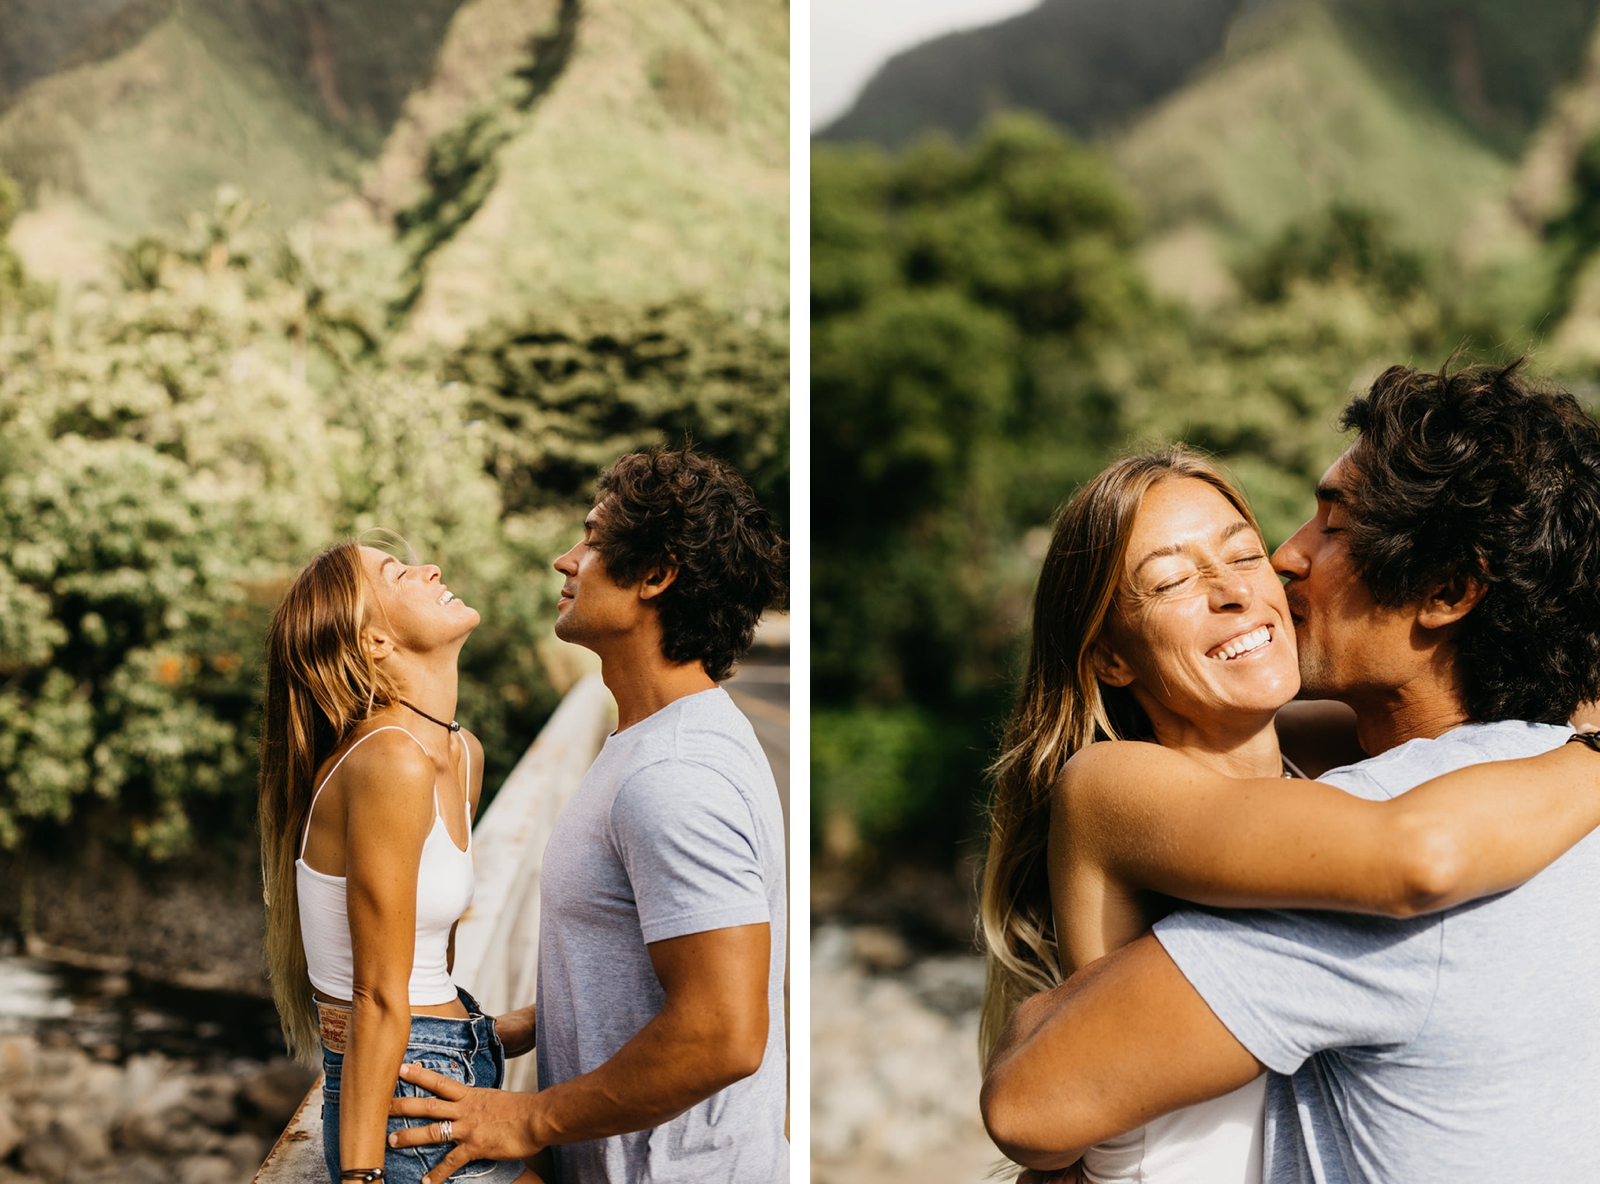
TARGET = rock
x,y
245,1153
45,1158
211,1099
82,1132
206,1169
17,1058
278,1090
894,1066
10,1131
879,948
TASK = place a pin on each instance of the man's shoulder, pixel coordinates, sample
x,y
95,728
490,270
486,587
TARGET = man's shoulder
x,y
1408,765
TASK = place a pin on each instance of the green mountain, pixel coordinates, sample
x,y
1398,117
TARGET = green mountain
x,y
1234,121
1089,65
1293,116
449,164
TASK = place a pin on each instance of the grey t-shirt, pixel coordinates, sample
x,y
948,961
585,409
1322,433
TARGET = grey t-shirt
x,y
1462,1046
675,829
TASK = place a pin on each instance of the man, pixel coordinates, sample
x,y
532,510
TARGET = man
x,y
1448,590
661,941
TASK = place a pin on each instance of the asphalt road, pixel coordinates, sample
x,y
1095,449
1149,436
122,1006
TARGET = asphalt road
x,y
761,691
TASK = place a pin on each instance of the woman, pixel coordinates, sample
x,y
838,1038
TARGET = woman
x,y
367,793
1159,618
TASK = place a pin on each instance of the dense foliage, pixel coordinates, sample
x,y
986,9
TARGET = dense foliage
x,y
172,451
982,342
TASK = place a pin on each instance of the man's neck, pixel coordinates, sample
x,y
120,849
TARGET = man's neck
x,y
1387,719
643,681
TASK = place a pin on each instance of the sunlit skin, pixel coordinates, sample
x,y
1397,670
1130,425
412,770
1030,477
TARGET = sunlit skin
x,y
371,820
1198,579
619,622
711,1030
1389,663
1127,1038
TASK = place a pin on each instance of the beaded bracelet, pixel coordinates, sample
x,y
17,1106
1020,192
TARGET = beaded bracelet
x,y
365,1175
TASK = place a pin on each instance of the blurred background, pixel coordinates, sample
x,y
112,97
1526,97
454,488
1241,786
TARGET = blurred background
x,y
1042,233
272,272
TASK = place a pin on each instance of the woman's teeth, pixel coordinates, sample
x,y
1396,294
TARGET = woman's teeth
x,y
1253,640
447,597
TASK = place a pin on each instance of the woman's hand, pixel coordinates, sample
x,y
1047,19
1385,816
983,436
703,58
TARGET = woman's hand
x,y
517,1030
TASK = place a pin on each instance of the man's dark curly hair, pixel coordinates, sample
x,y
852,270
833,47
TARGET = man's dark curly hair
x,y
1480,473
677,507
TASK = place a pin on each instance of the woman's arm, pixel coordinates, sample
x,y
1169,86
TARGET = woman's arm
x,y
1155,819
390,811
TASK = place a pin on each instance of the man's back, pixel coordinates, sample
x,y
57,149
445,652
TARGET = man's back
x,y
1456,1047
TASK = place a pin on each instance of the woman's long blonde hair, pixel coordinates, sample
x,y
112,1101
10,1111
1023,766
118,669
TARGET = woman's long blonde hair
x,y
1062,707
321,683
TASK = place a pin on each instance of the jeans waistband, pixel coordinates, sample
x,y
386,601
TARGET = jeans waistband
x,y
436,1031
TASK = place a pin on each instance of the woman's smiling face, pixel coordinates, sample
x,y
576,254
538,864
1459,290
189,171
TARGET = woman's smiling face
x,y
1200,623
412,602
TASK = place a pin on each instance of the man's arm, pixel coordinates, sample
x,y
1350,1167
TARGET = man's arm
x,y
710,1032
1123,1041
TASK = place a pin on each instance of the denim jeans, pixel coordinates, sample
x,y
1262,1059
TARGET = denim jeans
x,y
466,1050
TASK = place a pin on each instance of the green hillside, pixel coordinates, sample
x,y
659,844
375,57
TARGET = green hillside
x,y
1294,117
1089,65
654,169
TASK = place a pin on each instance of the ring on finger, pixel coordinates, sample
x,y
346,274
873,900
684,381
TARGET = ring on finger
x,y
446,1131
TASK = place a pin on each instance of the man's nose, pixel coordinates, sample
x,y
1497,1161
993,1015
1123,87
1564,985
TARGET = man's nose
x,y
565,564
1291,558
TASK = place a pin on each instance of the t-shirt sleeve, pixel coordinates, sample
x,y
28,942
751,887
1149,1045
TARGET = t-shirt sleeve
x,y
687,838
1290,984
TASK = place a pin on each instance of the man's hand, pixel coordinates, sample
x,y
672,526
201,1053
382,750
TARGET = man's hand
x,y
485,1123
517,1030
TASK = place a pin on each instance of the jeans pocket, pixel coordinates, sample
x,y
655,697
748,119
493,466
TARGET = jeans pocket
x,y
457,1067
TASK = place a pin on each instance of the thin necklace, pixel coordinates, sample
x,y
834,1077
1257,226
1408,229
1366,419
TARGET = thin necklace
x,y
452,726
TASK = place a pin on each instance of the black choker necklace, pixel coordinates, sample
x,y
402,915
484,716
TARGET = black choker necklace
x,y
452,726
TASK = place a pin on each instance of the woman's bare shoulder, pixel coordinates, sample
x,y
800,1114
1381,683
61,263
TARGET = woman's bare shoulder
x,y
1115,765
386,757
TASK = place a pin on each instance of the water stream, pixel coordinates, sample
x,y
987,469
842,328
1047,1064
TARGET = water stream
x,y
115,1016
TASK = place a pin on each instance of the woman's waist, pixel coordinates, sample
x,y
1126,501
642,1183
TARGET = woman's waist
x,y
459,1024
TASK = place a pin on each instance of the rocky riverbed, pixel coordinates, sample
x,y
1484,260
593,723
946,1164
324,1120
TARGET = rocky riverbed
x,y
109,1076
67,1117
894,1062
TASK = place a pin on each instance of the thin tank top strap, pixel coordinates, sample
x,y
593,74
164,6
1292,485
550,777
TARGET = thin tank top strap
x,y
305,833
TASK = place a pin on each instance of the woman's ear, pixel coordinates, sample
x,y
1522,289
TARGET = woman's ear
x,y
378,645
1109,666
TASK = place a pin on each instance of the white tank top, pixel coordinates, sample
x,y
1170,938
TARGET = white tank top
x,y
444,890
1216,1142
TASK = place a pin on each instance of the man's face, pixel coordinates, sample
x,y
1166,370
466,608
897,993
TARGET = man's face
x,y
593,606
1348,642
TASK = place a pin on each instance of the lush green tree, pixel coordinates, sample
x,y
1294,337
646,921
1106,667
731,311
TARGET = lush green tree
x,y
981,343
951,290
165,465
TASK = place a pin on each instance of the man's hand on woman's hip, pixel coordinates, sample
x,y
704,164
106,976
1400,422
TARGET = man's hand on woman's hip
x,y
483,1123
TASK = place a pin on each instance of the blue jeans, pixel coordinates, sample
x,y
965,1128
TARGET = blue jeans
x,y
467,1050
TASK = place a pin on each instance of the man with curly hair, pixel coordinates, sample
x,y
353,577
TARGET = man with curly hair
x,y
662,931
1448,591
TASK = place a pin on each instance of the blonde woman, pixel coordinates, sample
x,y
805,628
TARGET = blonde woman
x,y
368,788
1161,631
